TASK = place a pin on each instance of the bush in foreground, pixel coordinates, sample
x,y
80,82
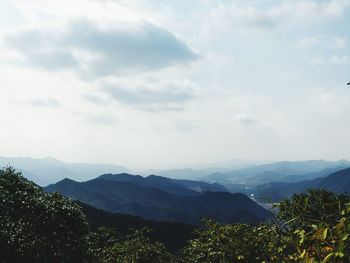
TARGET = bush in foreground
x,y
319,222
36,226
239,243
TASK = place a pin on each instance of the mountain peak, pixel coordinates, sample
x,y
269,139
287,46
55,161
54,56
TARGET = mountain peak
x,y
66,181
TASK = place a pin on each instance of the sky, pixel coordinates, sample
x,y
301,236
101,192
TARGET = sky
x,y
163,84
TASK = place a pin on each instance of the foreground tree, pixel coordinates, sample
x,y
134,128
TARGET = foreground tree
x,y
239,243
319,221
36,226
311,227
136,248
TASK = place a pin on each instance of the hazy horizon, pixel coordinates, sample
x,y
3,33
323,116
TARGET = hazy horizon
x,y
160,85
232,164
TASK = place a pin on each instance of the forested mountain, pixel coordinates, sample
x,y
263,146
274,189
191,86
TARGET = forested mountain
x,y
172,234
157,204
198,172
181,187
49,170
338,182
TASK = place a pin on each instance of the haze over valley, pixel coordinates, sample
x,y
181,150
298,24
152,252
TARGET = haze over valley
x,y
267,182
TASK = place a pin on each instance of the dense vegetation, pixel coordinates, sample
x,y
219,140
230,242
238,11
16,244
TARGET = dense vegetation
x,y
36,226
173,235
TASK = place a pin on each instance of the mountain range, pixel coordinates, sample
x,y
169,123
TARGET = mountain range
x,y
338,182
49,170
279,171
234,175
159,198
176,186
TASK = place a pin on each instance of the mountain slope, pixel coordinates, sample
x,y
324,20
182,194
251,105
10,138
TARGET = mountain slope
x,y
279,171
179,187
172,235
156,204
338,182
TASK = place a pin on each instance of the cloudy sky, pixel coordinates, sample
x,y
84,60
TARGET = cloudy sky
x,y
160,84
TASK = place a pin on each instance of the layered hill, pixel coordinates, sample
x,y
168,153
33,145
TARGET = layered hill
x,y
176,186
279,171
338,182
167,202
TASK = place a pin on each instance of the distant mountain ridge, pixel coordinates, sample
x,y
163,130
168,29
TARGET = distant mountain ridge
x,y
338,182
167,203
234,176
49,170
279,171
181,187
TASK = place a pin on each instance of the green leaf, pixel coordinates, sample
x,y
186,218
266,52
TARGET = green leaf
x,y
328,257
324,235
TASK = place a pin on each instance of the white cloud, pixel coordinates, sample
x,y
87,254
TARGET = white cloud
x,y
307,42
118,89
152,95
51,103
282,15
340,60
39,102
95,51
244,119
97,119
317,61
340,42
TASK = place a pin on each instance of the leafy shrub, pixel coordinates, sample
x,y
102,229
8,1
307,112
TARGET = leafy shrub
x,y
136,248
98,240
36,226
319,222
238,243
